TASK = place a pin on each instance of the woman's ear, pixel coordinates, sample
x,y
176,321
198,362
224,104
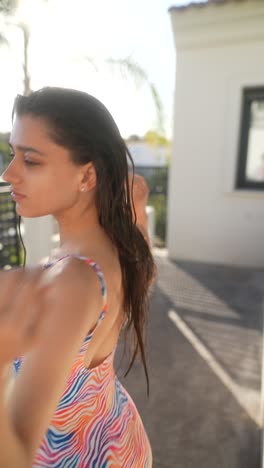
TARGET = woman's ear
x,y
88,177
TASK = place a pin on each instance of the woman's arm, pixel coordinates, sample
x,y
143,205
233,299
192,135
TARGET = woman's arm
x,y
68,309
12,452
140,192
14,298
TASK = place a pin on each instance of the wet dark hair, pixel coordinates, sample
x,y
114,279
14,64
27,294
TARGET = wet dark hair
x,y
83,125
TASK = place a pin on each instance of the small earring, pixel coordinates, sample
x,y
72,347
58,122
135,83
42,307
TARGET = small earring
x,y
82,189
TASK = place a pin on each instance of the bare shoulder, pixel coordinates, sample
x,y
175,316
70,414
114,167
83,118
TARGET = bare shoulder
x,y
70,268
72,276
71,307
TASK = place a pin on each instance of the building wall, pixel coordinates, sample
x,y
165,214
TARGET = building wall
x,y
208,219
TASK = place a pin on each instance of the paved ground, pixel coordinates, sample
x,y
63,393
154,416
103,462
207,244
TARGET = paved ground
x,y
205,367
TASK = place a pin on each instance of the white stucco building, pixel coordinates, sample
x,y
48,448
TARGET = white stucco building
x,y
216,203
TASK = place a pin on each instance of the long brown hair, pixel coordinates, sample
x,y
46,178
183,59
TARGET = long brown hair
x,y
82,124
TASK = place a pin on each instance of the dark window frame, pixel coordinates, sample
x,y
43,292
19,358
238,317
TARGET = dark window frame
x,y
249,95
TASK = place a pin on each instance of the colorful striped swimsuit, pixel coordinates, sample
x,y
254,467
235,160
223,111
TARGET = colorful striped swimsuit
x,y
96,423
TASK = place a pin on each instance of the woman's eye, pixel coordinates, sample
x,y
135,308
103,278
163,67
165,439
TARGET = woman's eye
x,y
30,163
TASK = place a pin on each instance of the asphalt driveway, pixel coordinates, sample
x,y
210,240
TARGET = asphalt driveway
x,y
205,360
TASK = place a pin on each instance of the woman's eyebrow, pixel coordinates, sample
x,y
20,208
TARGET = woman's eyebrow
x,y
27,149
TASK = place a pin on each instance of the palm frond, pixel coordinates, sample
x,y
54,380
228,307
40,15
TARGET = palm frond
x,y
129,68
91,62
3,40
8,6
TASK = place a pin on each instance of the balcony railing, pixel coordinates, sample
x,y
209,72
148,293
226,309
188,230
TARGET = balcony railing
x,y
10,254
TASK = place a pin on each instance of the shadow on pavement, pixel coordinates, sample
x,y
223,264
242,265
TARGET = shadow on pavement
x,y
192,419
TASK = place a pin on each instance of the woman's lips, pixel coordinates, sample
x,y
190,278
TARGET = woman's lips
x,y
17,196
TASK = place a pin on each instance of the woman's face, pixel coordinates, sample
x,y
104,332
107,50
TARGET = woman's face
x,y
42,176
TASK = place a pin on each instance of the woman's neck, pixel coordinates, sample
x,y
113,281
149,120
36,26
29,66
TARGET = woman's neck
x,y
79,234
75,226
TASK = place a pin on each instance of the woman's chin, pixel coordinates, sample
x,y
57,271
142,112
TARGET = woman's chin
x,y
27,213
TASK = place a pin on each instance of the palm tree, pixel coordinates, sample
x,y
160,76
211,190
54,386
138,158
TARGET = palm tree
x,y
127,66
25,31
7,8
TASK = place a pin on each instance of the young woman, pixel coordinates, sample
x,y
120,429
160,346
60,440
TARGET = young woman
x,y
61,324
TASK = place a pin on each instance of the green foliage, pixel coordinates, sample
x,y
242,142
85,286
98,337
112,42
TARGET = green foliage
x,y
4,156
159,202
156,139
157,180
4,148
10,253
8,6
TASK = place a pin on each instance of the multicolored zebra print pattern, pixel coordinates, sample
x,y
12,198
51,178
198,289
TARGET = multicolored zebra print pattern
x,y
96,423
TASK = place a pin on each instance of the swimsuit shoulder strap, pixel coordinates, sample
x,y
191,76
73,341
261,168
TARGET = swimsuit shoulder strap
x,y
98,271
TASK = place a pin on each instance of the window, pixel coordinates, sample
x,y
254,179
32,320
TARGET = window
x,y
250,173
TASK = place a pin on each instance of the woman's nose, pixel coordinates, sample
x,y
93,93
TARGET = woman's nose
x,y
12,174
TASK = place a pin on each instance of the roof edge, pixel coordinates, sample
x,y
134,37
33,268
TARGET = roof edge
x,y
198,5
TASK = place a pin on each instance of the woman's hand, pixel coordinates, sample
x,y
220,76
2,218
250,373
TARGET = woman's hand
x,y
21,296
139,192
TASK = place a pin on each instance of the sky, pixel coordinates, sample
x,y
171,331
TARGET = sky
x,y
66,35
